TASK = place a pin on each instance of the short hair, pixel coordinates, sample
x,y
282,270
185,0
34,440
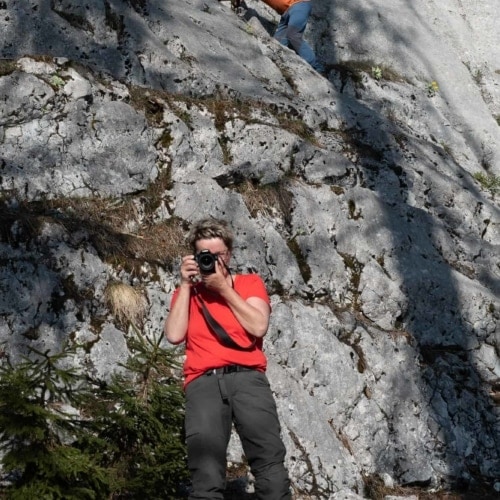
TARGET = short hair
x,y
206,229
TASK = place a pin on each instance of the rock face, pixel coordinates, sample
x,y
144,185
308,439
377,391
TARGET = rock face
x,y
355,196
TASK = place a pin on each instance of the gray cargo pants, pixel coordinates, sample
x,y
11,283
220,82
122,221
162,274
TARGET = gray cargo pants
x,y
213,402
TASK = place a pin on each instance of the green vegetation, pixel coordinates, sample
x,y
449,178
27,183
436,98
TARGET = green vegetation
x,y
377,72
432,88
56,82
490,183
36,425
67,436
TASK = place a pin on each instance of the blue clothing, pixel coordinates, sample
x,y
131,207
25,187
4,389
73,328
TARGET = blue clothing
x,y
291,29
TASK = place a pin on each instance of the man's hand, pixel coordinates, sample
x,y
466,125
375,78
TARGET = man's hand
x,y
189,269
216,281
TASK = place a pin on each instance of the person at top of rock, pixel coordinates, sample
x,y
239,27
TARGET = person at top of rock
x,y
294,17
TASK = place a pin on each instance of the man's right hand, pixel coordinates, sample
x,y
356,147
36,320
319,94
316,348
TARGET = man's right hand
x,y
189,269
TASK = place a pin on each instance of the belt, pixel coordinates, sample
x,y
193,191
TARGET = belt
x,y
228,369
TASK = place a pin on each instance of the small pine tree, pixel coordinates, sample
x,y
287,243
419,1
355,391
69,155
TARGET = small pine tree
x,y
136,424
35,428
65,436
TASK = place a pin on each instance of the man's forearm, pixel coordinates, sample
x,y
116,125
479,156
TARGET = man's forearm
x,y
176,324
253,318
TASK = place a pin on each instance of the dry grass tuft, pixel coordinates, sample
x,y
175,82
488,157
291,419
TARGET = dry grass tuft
x,y
153,104
7,66
269,200
375,489
299,128
127,232
164,244
127,304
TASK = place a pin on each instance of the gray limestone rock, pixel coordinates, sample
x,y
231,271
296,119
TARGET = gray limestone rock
x,y
360,198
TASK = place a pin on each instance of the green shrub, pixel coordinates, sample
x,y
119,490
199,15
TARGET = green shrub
x,y
68,437
35,429
489,182
136,425
432,88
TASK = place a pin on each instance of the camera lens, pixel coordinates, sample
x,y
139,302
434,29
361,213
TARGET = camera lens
x,y
206,262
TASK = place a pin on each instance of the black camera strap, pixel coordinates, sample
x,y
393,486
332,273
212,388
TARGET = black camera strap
x,y
218,330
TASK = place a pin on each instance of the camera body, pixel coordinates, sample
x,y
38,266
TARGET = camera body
x,y
206,261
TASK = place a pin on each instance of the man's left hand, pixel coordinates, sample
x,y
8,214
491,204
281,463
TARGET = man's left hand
x,y
215,281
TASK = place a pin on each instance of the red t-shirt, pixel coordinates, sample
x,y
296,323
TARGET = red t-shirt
x,y
281,6
203,348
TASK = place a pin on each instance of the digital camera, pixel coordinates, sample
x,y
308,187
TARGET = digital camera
x,y
206,261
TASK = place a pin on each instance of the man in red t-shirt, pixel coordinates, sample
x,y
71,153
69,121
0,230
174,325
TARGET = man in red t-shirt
x,y
224,371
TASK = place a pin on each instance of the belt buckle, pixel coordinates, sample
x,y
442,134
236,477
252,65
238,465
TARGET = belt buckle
x,y
231,369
